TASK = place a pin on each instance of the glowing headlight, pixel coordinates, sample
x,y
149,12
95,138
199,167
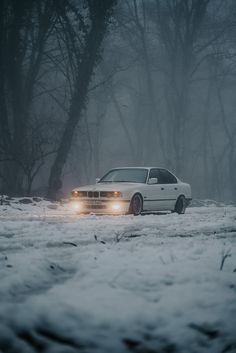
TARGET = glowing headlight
x,y
117,194
77,206
110,194
116,207
74,193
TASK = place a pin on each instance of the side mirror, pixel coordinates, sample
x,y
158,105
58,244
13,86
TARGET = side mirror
x,y
152,181
97,180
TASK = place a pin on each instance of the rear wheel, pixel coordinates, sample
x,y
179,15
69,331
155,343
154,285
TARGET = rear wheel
x,y
180,205
136,205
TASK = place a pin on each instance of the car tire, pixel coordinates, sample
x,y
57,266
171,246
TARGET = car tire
x,y
180,205
136,205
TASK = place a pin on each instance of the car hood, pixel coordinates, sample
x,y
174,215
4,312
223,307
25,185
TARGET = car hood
x,y
109,187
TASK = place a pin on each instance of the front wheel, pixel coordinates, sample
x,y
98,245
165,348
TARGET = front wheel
x,y
180,205
136,205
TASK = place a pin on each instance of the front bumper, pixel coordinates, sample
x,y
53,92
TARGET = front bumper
x,y
100,206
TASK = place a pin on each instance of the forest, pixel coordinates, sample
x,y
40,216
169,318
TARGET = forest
x,y
88,85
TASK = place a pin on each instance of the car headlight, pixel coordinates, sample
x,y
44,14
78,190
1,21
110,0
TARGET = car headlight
x,y
74,193
116,207
77,206
78,193
111,194
117,194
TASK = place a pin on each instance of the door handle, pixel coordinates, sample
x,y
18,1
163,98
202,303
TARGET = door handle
x,y
162,188
176,188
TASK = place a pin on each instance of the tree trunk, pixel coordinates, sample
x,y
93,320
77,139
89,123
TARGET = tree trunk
x,y
85,70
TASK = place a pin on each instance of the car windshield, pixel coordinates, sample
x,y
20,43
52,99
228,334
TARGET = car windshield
x,y
125,175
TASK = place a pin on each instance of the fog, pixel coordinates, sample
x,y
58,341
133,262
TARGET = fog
x,y
88,87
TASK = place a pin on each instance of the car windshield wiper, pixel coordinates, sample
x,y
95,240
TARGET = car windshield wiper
x,y
129,181
105,181
123,181
118,181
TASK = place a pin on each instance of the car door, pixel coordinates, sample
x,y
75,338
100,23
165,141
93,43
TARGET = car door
x,y
154,195
169,186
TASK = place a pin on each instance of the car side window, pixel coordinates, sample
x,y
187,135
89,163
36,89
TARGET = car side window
x,y
165,177
153,174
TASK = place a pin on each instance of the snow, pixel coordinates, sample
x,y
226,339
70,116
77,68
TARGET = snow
x,y
117,284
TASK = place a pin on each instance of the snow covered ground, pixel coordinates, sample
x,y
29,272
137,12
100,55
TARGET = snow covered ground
x,y
146,284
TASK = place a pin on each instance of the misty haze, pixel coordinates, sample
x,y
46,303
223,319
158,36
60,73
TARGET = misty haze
x,y
117,176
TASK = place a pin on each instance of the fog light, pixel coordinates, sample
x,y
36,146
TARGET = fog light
x,y
116,207
76,206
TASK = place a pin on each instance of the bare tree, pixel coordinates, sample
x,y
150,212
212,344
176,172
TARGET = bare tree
x,y
24,31
179,27
85,61
136,27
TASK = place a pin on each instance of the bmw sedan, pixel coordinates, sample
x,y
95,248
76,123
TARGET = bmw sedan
x,y
133,190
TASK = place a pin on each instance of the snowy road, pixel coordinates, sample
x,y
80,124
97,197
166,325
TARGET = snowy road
x,y
146,284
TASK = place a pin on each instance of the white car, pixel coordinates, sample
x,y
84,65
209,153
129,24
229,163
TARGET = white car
x,y
133,190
